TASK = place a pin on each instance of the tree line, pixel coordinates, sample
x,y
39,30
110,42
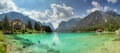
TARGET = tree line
x,y
111,25
5,25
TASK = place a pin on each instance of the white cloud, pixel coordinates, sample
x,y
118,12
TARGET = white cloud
x,y
106,8
115,10
61,11
57,13
92,10
82,16
7,5
96,6
55,16
112,1
85,0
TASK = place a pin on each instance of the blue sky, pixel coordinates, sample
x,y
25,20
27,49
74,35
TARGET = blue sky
x,y
57,11
79,6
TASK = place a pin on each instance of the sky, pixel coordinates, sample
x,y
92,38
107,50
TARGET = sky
x,y
56,11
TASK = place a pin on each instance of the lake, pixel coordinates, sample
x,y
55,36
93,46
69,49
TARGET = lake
x,y
62,42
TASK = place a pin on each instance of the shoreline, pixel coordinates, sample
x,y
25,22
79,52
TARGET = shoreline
x,y
110,46
107,47
2,44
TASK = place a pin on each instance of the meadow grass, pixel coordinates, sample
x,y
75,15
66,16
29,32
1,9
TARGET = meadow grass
x,y
2,43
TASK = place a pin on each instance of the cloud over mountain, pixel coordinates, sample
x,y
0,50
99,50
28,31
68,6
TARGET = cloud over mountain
x,y
112,1
7,5
57,13
97,6
55,16
60,11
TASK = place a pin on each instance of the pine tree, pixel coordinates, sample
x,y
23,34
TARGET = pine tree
x,y
37,26
29,25
48,29
1,27
6,25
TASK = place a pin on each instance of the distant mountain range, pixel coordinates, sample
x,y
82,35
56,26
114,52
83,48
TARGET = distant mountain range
x,y
97,19
16,15
68,25
22,17
112,13
93,21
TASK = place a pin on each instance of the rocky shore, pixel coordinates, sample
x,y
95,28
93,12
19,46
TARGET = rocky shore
x,y
112,46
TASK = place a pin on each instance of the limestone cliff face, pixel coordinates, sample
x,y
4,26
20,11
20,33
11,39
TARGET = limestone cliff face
x,y
67,26
93,19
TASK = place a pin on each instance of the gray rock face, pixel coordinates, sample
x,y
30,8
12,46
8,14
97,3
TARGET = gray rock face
x,y
67,26
112,13
97,18
93,19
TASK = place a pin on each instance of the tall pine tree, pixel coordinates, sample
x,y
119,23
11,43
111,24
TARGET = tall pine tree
x,y
1,27
6,25
37,26
29,24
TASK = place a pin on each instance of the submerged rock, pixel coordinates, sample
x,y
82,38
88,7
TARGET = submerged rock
x,y
53,51
117,39
38,41
54,44
24,41
24,46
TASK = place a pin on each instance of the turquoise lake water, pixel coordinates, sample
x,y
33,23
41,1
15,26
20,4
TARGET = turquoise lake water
x,y
64,42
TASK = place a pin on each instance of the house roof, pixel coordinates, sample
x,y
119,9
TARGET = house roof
x,y
16,20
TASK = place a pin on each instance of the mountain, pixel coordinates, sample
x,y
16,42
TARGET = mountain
x,y
92,19
96,20
24,19
49,24
92,22
16,15
68,25
112,13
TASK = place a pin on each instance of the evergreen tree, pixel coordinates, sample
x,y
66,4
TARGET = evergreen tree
x,y
29,24
37,26
46,28
5,22
1,27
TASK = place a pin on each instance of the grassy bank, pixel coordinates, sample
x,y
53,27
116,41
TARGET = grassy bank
x,y
2,43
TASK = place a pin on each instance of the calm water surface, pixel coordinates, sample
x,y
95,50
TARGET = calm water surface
x,y
64,42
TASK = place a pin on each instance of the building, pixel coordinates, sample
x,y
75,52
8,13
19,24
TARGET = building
x,y
118,32
99,31
17,24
